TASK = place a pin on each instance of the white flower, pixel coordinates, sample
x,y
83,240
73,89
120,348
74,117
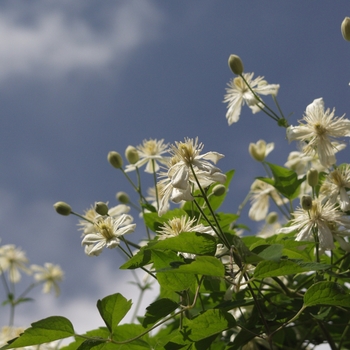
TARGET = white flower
x,y
318,129
323,219
50,274
107,231
175,226
13,260
336,185
88,226
261,192
150,152
238,93
180,180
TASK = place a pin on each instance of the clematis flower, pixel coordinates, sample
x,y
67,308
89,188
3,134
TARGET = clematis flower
x,y
179,181
175,226
150,153
238,93
260,150
87,226
335,185
13,260
318,129
107,231
50,275
261,192
322,218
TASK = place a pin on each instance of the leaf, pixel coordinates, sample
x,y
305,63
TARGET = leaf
x,y
171,281
159,309
189,242
141,258
269,268
327,293
100,333
112,309
44,331
202,265
286,181
272,252
210,322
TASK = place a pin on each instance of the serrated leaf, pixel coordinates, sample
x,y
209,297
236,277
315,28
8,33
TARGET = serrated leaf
x,y
189,242
210,322
44,331
327,293
159,309
112,309
268,268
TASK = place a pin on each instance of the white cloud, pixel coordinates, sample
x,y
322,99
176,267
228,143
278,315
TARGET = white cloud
x,y
56,41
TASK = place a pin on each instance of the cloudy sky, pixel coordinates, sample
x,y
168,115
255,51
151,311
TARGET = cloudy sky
x,y
79,79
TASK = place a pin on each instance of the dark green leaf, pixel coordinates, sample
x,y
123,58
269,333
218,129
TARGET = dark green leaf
x,y
158,310
141,258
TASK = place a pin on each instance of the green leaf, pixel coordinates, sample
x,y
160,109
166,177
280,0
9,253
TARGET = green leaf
x,y
189,242
112,309
141,258
100,333
171,281
272,252
210,322
286,181
159,309
269,268
327,293
44,331
202,265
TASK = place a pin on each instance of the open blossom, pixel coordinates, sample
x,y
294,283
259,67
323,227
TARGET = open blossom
x,y
186,161
151,153
107,230
238,93
318,129
261,192
50,275
175,226
13,260
88,226
336,185
322,218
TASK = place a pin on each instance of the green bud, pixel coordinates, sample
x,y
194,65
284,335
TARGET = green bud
x,y
306,202
312,177
219,190
62,208
123,197
271,218
236,65
101,208
345,28
131,154
115,159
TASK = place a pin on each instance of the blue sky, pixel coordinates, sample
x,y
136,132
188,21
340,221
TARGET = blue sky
x,y
79,79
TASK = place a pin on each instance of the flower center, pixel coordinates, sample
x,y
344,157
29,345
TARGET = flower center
x,y
106,229
187,152
320,129
240,84
150,147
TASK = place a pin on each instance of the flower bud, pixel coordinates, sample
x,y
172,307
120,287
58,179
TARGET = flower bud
x,y
260,150
115,159
236,65
271,218
345,28
312,177
101,208
62,208
219,190
306,202
131,154
123,197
